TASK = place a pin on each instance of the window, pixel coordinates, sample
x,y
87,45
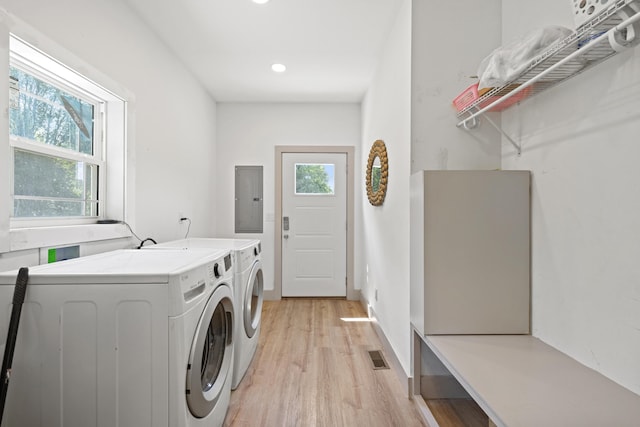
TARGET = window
x,y
65,131
315,178
57,159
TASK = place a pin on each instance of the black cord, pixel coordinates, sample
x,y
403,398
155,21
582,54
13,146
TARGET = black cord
x,y
188,227
148,239
131,230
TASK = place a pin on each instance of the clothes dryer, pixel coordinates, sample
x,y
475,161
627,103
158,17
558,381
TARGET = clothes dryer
x,y
127,338
248,281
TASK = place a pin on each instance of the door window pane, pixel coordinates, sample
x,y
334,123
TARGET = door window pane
x,y
47,186
313,178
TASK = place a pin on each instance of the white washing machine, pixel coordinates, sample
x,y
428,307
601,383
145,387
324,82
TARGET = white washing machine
x,y
248,281
127,338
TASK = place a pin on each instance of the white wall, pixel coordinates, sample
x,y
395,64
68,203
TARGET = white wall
x,y
172,134
408,105
580,140
248,134
384,241
449,39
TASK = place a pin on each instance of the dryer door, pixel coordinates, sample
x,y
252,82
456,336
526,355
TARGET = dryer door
x,y
211,353
253,300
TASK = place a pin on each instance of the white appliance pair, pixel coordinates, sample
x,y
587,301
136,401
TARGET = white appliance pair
x,y
127,338
248,292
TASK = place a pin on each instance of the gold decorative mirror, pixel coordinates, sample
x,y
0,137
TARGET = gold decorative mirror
x,y
377,173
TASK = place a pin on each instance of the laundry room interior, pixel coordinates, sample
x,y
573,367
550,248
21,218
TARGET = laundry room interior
x,y
492,259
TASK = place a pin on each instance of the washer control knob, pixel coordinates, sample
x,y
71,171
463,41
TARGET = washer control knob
x,y
216,270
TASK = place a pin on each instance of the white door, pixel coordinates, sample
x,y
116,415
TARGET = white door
x,y
314,224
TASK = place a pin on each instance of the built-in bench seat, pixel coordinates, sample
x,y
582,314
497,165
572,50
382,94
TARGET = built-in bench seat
x,y
520,381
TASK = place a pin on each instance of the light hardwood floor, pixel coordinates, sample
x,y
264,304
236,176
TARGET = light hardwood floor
x,y
457,413
312,369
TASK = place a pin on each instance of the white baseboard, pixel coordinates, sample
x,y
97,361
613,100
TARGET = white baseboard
x,y
274,295
271,295
390,354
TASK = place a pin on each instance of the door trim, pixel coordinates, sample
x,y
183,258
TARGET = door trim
x,y
276,293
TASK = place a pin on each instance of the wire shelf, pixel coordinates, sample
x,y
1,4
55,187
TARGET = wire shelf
x,y
586,47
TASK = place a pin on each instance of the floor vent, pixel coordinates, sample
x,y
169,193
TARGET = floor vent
x,y
377,360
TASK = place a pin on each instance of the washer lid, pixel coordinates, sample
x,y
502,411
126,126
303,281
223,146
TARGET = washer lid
x,y
121,266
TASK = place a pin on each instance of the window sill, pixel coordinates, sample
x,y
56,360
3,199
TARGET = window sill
x,y
40,237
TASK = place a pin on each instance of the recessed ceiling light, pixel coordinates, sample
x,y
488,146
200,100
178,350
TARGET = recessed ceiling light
x,y
260,1
278,68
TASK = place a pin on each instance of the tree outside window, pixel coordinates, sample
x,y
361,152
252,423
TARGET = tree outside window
x,y
314,179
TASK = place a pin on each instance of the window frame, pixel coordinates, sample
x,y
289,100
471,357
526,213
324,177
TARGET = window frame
x,y
33,147
44,67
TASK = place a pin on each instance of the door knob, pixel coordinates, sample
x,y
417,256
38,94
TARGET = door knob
x,y
286,236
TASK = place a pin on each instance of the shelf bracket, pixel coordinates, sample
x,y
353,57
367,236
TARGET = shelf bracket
x,y
470,126
473,121
503,133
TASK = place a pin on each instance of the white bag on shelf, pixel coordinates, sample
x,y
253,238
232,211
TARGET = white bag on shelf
x,y
507,62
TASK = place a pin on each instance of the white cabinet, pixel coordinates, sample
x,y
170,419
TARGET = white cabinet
x,y
470,252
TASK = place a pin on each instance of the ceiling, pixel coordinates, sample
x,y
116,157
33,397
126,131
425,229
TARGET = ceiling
x,y
330,47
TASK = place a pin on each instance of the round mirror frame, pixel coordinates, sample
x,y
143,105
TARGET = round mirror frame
x,y
378,149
